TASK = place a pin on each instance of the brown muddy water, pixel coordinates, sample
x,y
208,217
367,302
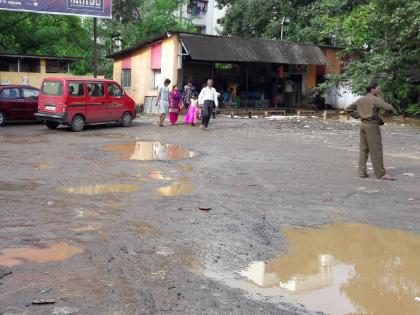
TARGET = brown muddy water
x,y
342,268
40,253
182,187
158,175
148,151
43,166
100,189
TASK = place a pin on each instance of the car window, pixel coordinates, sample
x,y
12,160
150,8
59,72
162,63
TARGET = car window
x,y
52,88
95,89
114,90
10,93
76,89
30,93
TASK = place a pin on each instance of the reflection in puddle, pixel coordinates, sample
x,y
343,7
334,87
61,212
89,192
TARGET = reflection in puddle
x,y
158,175
84,229
43,166
17,186
149,151
10,257
342,268
186,167
176,189
85,213
100,189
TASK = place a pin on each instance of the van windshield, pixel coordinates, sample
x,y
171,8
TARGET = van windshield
x,y
52,88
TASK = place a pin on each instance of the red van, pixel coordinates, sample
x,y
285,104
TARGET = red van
x,y
77,102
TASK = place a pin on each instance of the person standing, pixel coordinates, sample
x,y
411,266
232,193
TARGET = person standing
x,y
163,101
207,100
367,109
188,92
175,104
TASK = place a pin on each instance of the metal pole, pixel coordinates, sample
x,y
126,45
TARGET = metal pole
x,y
247,79
281,34
94,47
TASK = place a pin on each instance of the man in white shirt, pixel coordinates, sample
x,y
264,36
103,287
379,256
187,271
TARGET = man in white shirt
x,y
207,100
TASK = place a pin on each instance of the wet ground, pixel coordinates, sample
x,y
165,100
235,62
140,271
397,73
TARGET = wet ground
x,y
253,216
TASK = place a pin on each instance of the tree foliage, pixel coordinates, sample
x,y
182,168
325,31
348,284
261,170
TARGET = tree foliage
x,y
133,21
40,34
381,38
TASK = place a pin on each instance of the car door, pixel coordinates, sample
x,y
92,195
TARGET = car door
x,y
115,101
30,102
76,98
97,110
12,103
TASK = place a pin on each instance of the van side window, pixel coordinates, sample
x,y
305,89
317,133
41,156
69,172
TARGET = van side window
x,y
76,89
96,89
114,90
10,93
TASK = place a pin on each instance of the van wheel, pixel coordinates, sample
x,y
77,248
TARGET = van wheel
x,y
52,124
77,123
2,118
126,119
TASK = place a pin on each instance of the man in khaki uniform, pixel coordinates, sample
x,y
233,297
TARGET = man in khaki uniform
x,y
366,108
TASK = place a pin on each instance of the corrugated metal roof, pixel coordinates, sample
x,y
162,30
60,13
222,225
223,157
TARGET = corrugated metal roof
x,y
39,56
237,49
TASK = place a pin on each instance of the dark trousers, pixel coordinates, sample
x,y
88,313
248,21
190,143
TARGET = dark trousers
x,y
206,113
371,143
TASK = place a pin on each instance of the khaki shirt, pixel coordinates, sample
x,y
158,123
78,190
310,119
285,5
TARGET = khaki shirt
x,y
367,109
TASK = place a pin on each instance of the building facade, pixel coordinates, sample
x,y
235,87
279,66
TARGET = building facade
x,y
205,15
31,70
268,73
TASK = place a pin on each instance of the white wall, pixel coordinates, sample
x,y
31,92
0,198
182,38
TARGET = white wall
x,y
340,97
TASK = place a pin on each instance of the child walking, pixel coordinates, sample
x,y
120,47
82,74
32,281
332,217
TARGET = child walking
x,y
193,111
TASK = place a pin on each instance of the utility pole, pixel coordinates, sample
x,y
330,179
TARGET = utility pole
x,y
284,21
94,47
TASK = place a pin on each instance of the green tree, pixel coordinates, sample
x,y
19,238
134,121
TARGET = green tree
x,y
41,34
380,38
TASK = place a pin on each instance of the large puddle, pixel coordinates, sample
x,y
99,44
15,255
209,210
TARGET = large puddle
x,y
100,189
182,187
342,268
149,151
42,253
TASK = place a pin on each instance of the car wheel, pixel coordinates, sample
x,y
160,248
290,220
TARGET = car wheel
x,y
52,124
126,119
77,123
2,118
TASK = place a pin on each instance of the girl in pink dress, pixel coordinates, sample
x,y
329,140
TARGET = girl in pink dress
x,y
191,117
175,104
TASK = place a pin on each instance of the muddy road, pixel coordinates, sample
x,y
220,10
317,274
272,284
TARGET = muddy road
x,y
254,216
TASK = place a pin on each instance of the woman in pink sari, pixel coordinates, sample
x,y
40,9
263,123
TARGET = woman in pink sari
x,y
175,104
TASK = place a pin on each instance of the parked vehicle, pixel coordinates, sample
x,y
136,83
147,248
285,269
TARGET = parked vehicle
x,y
77,102
18,103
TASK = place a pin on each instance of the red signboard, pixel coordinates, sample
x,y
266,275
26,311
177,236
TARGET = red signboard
x,y
156,56
96,8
